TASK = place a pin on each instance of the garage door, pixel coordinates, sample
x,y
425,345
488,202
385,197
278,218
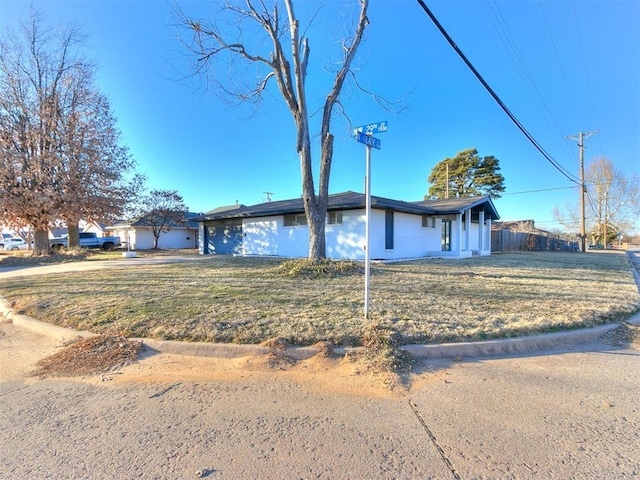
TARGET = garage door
x,y
223,237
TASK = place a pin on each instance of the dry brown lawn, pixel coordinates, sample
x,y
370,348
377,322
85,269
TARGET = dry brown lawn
x,y
249,300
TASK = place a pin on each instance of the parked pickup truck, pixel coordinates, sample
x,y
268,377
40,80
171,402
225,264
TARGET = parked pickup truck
x,y
87,239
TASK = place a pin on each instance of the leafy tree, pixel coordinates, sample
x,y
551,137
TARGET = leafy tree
x,y
466,175
161,210
60,157
283,59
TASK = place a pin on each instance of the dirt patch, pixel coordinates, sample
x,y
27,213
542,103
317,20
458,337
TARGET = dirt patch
x,y
107,358
93,355
627,335
378,369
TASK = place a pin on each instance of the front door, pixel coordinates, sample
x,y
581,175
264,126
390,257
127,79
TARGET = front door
x,y
446,235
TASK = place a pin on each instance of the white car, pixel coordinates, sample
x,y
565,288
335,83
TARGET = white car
x,y
14,243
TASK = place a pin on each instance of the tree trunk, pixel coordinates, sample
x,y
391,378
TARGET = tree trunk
x,y
317,241
312,207
73,232
40,241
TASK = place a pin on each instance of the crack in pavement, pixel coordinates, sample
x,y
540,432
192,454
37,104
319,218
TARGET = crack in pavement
x,y
162,392
13,391
435,441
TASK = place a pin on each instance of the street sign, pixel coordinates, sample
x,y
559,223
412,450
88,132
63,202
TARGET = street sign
x,y
372,128
368,140
364,134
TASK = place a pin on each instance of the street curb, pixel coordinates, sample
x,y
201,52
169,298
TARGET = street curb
x,y
223,350
24,321
509,346
488,348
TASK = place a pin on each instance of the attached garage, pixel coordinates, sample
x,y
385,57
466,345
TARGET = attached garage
x,y
223,237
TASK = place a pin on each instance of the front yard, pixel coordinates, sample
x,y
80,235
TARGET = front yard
x,y
249,300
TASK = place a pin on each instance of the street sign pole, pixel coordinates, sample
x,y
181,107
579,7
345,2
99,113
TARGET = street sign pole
x,y
367,255
364,135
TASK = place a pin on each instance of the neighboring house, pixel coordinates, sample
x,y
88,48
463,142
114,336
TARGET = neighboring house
x,y
100,229
459,227
137,234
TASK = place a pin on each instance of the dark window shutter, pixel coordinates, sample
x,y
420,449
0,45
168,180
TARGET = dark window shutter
x,y
388,230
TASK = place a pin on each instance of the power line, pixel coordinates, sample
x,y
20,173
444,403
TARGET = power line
x,y
536,191
584,65
564,75
533,141
511,47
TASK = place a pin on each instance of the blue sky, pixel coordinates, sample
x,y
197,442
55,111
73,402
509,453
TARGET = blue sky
x,y
560,66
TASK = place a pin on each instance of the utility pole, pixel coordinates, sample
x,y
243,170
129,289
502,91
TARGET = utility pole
x,y
446,195
268,195
583,189
606,206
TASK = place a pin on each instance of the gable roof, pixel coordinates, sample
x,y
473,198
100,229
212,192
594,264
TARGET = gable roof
x,y
190,221
459,205
225,208
353,201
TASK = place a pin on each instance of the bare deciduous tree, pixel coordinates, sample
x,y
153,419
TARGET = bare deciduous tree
x,y
60,156
160,210
613,202
94,165
286,63
36,71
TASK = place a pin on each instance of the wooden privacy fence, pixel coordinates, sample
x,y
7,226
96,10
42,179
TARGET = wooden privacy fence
x,y
509,241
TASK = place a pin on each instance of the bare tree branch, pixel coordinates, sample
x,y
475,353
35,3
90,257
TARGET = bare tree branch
x,y
214,46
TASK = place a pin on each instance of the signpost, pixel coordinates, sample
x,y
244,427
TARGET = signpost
x,y
368,140
364,134
372,128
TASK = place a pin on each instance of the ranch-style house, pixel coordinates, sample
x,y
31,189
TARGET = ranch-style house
x,y
457,228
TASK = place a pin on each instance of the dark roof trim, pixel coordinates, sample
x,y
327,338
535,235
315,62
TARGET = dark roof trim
x,y
459,205
354,201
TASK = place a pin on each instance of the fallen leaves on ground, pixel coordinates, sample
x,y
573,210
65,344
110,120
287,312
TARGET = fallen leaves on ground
x,y
626,334
93,355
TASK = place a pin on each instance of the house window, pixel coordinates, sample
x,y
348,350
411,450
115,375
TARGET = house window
x,y
295,220
428,221
388,230
446,235
334,218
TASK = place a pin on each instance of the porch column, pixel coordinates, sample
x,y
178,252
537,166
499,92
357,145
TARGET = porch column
x,y
201,238
459,242
467,229
481,231
489,235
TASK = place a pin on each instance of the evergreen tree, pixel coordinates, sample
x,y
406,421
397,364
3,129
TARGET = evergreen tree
x,y
466,175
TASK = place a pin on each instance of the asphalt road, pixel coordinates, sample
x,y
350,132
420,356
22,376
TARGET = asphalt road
x,y
571,413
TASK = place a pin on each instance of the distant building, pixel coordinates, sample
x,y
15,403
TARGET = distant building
x,y
138,235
